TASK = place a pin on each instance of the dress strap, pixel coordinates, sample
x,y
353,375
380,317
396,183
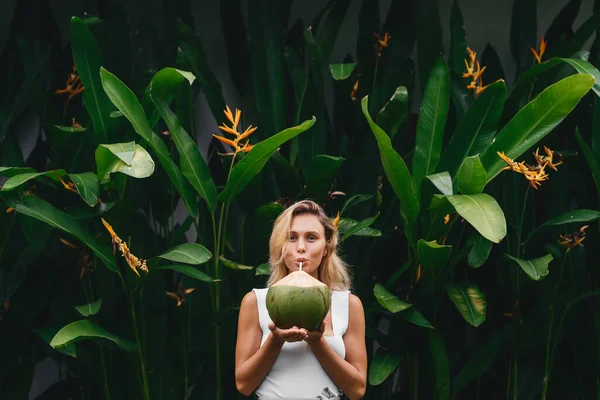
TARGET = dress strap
x,y
339,314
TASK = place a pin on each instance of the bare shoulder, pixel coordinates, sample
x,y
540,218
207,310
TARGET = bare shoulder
x,y
249,302
354,303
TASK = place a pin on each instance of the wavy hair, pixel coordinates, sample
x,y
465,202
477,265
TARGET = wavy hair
x,y
333,271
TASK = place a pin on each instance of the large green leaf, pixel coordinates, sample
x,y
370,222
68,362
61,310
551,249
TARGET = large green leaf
x,y
165,84
471,176
458,41
331,28
469,301
87,186
430,127
442,181
12,171
89,309
537,268
110,159
483,212
39,209
591,159
89,60
429,36
349,227
570,217
523,85
86,330
388,300
394,113
256,159
383,365
188,253
129,105
476,129
47,333
395,170
188,270
415,317
319,178
535,121
481,360
266,52
339,72
441,366
480,250
194,51
17,180
193,166
433,255
234,265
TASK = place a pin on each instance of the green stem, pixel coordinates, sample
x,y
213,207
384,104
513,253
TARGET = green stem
x,y
185,352
515,370
415,378
137,339
519,231
549,355
106,387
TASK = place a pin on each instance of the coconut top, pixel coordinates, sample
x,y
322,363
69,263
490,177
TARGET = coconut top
x,y
299,278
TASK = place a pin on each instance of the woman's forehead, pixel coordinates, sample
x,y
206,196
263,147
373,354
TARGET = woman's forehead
x,y
306,222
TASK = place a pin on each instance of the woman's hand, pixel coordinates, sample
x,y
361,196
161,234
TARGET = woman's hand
x,y
314,337
294,334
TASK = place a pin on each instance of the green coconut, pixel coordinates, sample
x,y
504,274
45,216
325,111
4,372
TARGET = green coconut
x,y
298,300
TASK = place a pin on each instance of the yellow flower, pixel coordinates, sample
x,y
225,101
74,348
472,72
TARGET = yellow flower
x,y
382,42
446,219
181,294
336,221
538,56
133,262
73,86
233,130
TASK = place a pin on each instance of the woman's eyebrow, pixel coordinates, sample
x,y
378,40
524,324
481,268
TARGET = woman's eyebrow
x,y
307,232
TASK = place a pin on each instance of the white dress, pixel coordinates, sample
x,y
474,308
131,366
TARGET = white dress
x,y
297,373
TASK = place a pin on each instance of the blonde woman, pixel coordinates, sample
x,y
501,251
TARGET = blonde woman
x,y
296,363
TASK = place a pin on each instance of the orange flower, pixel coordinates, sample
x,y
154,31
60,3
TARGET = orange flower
x,y
535,175
382,42
181,294
87,264
548,158
73,86
354,91
474,72
538,56
133,262
574,239
233,130
446,219
69,186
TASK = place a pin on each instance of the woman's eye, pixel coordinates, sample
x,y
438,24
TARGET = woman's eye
x,y
311,238
292,237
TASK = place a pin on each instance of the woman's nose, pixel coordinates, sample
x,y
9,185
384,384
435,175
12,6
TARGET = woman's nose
x,y
300,245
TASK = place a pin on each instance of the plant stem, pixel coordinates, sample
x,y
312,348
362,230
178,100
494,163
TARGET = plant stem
x,y
106,387
548,355
185,351
137,338
415,375
521,223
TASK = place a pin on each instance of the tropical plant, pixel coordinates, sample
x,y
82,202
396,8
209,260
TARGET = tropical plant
x,y
128,237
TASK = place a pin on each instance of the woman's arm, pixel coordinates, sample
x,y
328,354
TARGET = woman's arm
x,y
253,362
350,374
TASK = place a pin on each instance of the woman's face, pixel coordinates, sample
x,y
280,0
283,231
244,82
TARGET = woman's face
x,y
306,244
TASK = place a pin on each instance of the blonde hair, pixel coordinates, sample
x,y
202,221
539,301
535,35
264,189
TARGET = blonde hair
x,y
333,271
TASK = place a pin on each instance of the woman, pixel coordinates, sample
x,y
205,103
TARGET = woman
x,y
296,363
